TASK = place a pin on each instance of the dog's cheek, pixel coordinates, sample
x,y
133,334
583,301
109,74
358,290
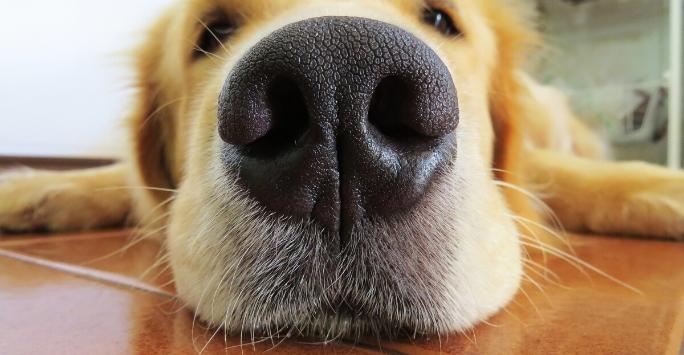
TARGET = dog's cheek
x,y
191,256
488,266
199,220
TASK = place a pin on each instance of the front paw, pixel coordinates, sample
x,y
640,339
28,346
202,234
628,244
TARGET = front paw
x,y
56,201
26,201
661,207
651,205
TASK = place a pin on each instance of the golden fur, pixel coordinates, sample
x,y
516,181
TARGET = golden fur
x,y
515,136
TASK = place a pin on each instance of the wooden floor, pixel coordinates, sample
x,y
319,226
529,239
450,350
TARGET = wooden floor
x,y
83,294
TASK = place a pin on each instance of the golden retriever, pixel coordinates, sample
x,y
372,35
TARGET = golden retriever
x,y
348,167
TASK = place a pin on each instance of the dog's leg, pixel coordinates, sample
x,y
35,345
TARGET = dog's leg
x,y
63,201
628,198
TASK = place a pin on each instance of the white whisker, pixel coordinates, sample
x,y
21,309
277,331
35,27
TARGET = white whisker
x,y
581,263
213,35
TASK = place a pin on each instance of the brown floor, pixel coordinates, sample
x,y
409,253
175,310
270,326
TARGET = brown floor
x,y
83,294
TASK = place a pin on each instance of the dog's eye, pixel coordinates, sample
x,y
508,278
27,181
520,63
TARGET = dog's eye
x,y
441,21
212,36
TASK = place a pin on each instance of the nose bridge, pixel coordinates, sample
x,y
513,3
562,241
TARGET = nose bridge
x,y
376,109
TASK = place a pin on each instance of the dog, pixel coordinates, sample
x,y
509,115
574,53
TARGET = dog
x,y
349,167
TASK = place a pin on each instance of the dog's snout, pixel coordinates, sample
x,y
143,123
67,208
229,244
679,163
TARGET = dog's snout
x,y
339,119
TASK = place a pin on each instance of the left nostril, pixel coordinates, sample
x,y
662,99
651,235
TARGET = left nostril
x,y
289,121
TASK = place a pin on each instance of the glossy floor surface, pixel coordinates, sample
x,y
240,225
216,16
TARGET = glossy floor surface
x,y
98,294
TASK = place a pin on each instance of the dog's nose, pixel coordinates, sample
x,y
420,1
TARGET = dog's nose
x,y
338,119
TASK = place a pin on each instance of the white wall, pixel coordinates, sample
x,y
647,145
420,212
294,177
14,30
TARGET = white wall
x,y
64,74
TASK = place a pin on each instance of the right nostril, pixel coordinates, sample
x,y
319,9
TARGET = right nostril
x,y
391,110
289,121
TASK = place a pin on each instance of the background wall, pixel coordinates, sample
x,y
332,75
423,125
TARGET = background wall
x,y
64,77
605,54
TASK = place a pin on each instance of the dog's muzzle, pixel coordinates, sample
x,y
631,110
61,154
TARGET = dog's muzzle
x,y
338,119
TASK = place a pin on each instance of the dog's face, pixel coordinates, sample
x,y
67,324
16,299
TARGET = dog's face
x,y
334,161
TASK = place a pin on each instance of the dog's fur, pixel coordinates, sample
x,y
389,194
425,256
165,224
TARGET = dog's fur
x,y
458,260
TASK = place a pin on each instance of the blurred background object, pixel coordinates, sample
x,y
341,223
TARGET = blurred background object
x,y
620,62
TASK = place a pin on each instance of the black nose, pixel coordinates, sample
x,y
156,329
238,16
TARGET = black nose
x,y
338,119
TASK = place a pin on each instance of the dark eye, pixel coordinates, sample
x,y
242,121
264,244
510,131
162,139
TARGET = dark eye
x,y
212,37
441,21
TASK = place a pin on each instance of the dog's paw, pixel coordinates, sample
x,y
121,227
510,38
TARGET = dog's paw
x,y
53,201
653,207
662,208
37,201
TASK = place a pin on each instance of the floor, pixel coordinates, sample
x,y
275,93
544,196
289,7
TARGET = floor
x,y
98,294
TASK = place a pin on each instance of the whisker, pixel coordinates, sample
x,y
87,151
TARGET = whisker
x,y
535,238
142,234
492,324
507,311
161,260
554,217
210,339
553,233
150,188
209,55
156,208
179,303
213,34
276,345
545,273
134,241
250,343
145,230
529,299
539,287
570,259
581,263
466,335
168,283
159,109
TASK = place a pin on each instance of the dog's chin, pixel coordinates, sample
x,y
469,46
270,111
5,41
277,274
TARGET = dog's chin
x,y
450,262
